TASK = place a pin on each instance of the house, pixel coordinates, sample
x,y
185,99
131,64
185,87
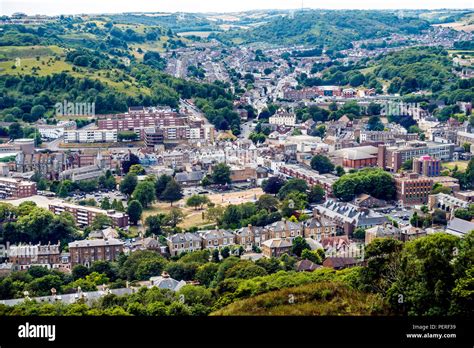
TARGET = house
x,y
216,239
306,266
190,178
285,229
276,247
86,252
348,217
339,262
459,227
166,282
183,242
319,227
382,231
367,201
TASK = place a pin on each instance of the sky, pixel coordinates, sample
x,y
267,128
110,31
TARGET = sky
x,y
55,7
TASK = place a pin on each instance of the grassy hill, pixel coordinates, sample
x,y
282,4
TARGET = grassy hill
x,y
321,298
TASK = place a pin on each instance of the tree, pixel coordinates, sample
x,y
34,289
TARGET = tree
x,y
197,201
268,202
359,233
101,221
134,211
128,184
466,147
160,185
232,216
144,193
375,124
299,244
206,273
273,185
130,161
174,217
322,164
426,276
221,174
312,256
316,194
225,252
172,193
340,171
15,131
154,224
375,182
408,164
105,203
215,214
137,169
298,185
215,256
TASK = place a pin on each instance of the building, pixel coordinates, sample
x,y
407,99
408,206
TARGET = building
x,y
382,231
319,227
347,217
183,242
357,157
84,215
166,282
285,229
276,247
391,158
459,227
283,119
86,252
412,188
16,188
447,203
340,262
24,256
312,177
464,138
90,136
427,166
216,239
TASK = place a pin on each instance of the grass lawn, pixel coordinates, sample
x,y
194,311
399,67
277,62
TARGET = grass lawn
x,y
462,165
194,217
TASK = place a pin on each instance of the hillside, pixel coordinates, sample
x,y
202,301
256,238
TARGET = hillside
x,y
322,298
331,29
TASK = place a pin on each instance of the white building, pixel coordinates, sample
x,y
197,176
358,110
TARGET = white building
x,y
90,136
283,119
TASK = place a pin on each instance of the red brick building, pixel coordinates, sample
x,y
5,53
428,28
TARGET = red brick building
x,y
86,252
412,188
16,188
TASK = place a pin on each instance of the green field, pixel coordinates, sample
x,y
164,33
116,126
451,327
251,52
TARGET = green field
x,y
462,165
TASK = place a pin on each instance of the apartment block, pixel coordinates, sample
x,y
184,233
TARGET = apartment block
x,y
90,136
16,188
84,216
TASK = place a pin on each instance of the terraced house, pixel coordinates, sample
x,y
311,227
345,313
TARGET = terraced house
x,y
216,239
183,242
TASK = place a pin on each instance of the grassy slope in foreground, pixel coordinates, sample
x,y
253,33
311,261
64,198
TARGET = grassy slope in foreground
x,y
320,298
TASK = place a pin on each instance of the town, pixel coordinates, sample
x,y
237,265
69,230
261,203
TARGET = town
x,y
218,161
